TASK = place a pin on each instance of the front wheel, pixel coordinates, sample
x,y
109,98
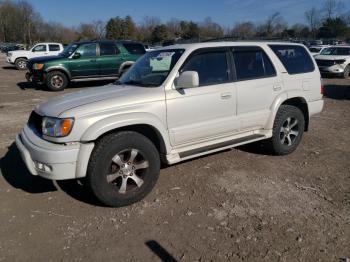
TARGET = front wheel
x,y
21,63
123,168
287,130
56,81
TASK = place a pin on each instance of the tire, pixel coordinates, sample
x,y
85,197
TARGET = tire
x,y
21,63
56,81
125,158
346,72
286,133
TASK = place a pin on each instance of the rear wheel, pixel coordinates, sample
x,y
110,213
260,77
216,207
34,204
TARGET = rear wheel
x,y
56,81
123,168
21,63
287,130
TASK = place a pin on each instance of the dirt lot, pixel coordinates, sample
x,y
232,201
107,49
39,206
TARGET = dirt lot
x,y
238,205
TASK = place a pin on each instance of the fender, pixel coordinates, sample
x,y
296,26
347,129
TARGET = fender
x,y
124,120
279,100
59,68
125,64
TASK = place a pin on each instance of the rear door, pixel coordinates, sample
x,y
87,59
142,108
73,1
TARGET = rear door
x,y
109,60
54,49
257,84
85,64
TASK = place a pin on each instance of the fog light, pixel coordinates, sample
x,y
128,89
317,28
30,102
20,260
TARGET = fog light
x,y
42,166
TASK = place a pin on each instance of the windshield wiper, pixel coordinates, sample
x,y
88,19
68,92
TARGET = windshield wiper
x,y
137,83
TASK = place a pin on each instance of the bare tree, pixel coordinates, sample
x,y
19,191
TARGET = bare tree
x,y
332,7
313,19
99,28
274,24
243,30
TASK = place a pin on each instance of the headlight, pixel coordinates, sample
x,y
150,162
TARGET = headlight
x,y
340,61
57,127
38,66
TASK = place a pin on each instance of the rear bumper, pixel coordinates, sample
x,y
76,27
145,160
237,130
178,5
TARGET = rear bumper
x,y
315,107
332,70
50,160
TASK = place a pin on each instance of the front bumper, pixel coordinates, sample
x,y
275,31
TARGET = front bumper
x,y
35,76
334,69
50,160
8,60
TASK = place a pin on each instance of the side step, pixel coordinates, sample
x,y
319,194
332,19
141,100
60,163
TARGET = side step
x,y
221,146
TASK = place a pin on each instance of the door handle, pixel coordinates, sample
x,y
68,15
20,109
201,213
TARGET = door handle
x,y
226,95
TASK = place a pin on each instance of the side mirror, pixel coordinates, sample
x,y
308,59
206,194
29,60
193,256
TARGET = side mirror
x,y
76,55
187,79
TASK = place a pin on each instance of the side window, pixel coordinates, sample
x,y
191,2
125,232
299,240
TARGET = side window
x,y
108,49
252,64
87,50
39,48
54,48
211,67
135,49
295,58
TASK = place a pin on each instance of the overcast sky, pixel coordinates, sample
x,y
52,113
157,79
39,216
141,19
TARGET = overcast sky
x,y
225,12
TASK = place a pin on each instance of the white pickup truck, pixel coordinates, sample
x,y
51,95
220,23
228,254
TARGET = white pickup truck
x,y
19,58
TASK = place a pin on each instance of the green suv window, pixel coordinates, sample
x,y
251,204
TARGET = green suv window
x,y
87,50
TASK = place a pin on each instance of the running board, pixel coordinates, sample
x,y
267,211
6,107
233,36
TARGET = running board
x,y
220,146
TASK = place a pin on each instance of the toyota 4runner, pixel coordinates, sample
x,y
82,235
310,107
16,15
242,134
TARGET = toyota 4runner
x,y
174,104
85,61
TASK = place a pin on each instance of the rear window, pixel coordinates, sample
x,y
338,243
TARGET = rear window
x,y
108,49
54,47
134,49
295,58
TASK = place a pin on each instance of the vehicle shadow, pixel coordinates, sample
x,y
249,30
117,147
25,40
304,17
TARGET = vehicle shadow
x,y
29,85
339,92
9,68
258,148
157,249
16,174
77,190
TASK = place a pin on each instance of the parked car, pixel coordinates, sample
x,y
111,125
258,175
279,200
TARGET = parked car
x,y
85,61
317,49
334,60
7,47
20,58
174,104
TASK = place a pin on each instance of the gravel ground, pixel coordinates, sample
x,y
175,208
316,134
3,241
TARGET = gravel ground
x,y
237,205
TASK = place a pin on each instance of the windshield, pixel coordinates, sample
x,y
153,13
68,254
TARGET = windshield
x,y
69,50
336,51
151,69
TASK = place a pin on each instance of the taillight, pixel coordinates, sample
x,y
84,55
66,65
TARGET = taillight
x,y
322,87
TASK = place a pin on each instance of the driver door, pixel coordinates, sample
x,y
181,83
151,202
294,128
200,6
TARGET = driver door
x,y
208,111
40,50
84,61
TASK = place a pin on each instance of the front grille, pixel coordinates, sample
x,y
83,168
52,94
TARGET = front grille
x,y
35,121
324,62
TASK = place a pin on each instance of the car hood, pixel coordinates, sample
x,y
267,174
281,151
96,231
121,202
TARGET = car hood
x,y
331,57
43,59
93,100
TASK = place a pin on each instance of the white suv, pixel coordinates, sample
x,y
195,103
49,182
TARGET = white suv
x,y
173,104
19,58
334,60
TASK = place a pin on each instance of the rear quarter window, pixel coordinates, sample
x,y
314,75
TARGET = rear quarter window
x,y
135,49
295,58
54,48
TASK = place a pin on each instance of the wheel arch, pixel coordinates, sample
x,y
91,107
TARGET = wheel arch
x,y
295,99
60,69
126,64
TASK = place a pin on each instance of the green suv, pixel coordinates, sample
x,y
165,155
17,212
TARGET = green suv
x,y
84,61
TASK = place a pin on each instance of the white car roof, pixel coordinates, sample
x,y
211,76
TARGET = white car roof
x,y
194,46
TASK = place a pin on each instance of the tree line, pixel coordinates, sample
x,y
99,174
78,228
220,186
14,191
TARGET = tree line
x,y
20,23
